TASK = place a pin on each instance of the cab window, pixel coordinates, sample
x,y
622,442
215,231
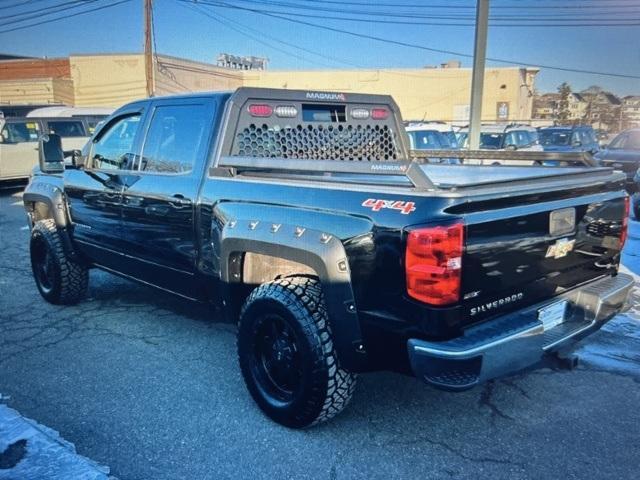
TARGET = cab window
x,y
67,128
20,132
113,150
174,139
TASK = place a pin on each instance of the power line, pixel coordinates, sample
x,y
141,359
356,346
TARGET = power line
x,y
516,21
444,12
51,20
42,10
235,26
416,46
465,7
20,4
239,26
47,11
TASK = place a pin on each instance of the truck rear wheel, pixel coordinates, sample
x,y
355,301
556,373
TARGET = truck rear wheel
x,y
60,279
287,356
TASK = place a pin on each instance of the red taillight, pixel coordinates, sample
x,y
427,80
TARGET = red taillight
x,y
260,110
625,223
379,113
433,264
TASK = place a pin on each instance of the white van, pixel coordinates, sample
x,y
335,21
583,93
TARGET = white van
x,y
19,140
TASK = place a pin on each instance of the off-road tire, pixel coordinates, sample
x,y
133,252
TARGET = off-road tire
x,y
326,388
67,278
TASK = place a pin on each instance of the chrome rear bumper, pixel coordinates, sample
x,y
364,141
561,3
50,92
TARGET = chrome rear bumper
x,y
519,340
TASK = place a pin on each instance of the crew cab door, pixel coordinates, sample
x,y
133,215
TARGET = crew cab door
x,y
94,192
158,205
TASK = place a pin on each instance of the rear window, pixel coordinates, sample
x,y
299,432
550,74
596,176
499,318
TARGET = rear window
x,y
67,128
491,140
427,140
20,132
555,137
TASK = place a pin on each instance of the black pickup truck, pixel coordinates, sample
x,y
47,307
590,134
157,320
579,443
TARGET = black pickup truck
x,y
338,251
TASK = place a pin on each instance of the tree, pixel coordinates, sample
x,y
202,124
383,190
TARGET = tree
x,y
563,113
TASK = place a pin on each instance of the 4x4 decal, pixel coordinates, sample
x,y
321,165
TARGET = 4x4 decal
x,y
377,205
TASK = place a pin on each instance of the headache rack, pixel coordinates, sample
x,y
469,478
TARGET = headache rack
x,y
411,169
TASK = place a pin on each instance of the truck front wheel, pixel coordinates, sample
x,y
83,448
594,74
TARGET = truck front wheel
x,y
61,280
287,356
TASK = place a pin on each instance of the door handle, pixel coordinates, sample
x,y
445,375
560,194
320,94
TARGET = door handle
x,y
179,200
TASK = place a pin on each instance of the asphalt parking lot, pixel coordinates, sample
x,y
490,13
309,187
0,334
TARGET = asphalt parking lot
x,y
148,384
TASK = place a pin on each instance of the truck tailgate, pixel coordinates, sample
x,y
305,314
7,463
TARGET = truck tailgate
x,y
534,246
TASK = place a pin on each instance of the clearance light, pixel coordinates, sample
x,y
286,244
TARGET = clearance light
x,y
360,113
260,110
433,264
379,113
625,223
286,111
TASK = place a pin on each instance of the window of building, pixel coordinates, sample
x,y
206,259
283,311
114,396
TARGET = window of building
x,y
113,150
174,139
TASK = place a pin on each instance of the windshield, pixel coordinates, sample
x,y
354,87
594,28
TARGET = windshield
x,y
555,137
491,140
626,141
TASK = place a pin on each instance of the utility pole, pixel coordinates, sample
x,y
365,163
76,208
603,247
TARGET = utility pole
x,y
148,47
477,79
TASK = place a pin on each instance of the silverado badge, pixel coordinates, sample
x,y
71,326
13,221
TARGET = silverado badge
x,y
560,249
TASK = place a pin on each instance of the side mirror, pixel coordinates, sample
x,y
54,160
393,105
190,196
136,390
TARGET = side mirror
x,y
51,155
511,147
1,138
577,143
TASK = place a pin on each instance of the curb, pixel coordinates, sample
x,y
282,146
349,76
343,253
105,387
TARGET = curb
x,y
31,451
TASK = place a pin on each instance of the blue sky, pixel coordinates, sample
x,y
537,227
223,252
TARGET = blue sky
x,y
182,31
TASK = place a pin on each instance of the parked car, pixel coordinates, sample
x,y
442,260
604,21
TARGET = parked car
x,y
446,130
579,138
295,212
431,136
19,140
504,137
623,153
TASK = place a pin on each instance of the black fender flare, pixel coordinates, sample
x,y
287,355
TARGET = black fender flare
x,y
52,195
322,252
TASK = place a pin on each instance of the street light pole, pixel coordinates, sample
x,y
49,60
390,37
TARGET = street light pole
x,y
477,79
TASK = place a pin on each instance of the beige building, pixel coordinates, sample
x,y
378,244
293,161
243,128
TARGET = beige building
x,y
115,79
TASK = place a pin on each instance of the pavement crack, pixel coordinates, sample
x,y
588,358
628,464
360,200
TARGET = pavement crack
x,y
455,451
512,384
486,400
